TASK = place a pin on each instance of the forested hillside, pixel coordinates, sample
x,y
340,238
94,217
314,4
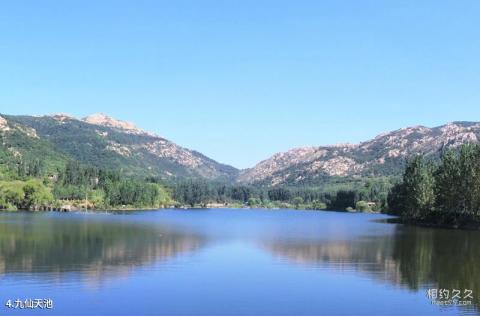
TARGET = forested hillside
x,y
100,162
73,186
104,142
35,174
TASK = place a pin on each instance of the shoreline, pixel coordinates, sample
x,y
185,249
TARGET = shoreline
x,y
438,223
185,207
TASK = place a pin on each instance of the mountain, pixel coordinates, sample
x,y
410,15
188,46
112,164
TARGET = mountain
x,y
20,142
105,142
382,156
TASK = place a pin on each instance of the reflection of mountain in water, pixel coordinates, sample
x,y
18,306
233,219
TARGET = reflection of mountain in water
x,y
416,257
36,243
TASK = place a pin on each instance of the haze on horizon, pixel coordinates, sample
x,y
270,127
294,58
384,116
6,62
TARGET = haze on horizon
x,y
240,81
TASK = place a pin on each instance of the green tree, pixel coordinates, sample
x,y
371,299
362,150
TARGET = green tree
x,y
12,193
362,206
342,200
254,202
36,195
458,182
448,184
297,201
396,199
419,188
319,205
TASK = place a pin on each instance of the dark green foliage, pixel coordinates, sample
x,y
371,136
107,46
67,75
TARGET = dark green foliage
x,y
343,200
447,193
31,168
414,197
448,178
396,199
279,194
419,184
458,182
130,192
75,181
193,193
197,192
27,155
241,193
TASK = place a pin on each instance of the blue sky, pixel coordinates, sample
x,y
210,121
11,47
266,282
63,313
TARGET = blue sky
x,y
241,80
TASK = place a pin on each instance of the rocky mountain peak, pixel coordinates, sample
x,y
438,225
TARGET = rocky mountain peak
x,y
105,120
383,155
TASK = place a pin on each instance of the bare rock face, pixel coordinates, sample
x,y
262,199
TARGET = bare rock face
x,y
383,155
154,146
30,132
119,149
281,161
104,120
163,149
62,117
3,124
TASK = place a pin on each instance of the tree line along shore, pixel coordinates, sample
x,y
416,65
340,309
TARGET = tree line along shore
x,y
443,192
26,186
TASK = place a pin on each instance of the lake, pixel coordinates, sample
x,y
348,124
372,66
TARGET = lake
x,y
233,262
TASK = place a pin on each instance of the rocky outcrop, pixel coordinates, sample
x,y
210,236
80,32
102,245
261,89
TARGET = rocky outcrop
x,y
383,155
104,120
3,124
62,117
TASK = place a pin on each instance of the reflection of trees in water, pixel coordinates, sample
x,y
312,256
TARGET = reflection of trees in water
x,y
53,245
367,254
448,259
412,256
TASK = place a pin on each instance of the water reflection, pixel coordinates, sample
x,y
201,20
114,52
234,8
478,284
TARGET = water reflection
x,y
51,246
412,257
93,245
446,258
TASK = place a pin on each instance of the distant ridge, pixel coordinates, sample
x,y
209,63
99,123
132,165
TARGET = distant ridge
x,y
382,156
106,142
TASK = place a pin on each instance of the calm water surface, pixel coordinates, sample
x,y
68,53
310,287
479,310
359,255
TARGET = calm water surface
x,y
232,262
